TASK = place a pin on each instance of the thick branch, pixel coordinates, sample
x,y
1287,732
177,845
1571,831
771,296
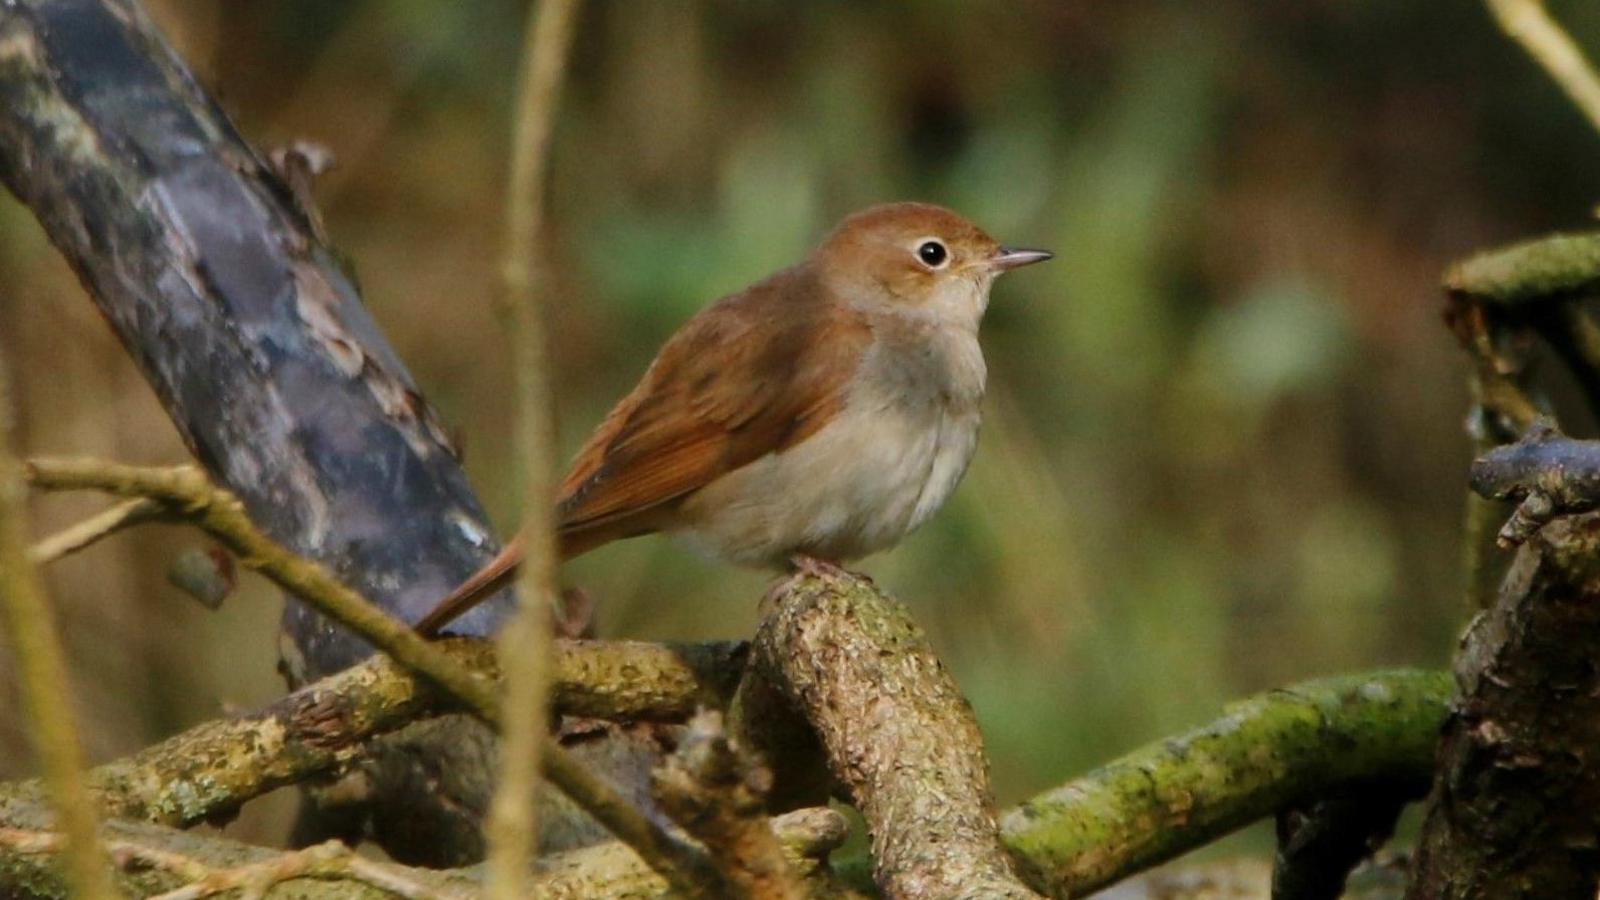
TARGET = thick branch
x,y
1272,751
897,732
1516,799
210,770
253,335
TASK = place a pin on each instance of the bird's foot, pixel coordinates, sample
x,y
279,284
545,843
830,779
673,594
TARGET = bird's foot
x,y
804,564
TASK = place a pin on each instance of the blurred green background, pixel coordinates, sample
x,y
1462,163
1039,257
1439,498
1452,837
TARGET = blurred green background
x,y
1223,447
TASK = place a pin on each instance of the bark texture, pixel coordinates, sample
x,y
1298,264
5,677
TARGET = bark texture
x,y
255,339
1515,809
897,732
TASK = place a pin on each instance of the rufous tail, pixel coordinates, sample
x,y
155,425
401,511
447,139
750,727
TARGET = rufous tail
x,y
495,574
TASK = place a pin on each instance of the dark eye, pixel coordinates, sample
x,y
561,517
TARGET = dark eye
x,y
932,253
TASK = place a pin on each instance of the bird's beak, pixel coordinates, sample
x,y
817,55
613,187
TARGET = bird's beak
x,y
1016,257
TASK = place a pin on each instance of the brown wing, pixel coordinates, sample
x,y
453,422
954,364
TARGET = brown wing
x,y
750,375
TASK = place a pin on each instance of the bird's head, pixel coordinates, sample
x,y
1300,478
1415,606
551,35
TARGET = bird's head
x,y
916,259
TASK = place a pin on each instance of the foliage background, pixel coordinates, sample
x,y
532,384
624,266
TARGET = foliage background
x,y
1223,449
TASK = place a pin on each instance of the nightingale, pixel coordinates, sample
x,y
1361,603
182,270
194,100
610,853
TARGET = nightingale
x,y
815,417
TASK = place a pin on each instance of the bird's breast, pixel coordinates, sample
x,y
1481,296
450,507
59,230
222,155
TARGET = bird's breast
x,y
885,463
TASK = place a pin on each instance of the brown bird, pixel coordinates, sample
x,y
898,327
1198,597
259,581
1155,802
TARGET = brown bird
x,y
814,417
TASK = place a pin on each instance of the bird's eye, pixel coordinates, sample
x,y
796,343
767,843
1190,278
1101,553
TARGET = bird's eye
x,y
932,254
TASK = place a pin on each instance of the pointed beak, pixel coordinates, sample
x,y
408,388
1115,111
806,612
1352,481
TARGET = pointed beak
x,y
1016,257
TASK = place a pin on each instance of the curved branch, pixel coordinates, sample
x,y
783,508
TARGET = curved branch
x,y
897,733
1274,750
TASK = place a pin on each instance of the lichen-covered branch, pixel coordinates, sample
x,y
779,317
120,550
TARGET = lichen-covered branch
x,y
897,732
1269,752
1516,799
207,772
717,792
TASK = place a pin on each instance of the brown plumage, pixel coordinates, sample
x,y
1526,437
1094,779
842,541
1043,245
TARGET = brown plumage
x,y
732,419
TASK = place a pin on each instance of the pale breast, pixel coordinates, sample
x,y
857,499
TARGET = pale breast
x,y
881,468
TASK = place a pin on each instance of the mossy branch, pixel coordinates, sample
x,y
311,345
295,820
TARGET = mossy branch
x,y
1266,753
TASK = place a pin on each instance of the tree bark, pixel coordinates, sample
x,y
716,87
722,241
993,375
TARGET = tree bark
x,y
1515,808
255,339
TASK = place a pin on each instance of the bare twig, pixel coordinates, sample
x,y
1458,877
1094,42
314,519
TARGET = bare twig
x,y
511,829
717,793
187,493
331,860
1530,24
100,525
42,673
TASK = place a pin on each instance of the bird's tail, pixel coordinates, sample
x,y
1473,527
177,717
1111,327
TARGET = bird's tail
x,y
495,574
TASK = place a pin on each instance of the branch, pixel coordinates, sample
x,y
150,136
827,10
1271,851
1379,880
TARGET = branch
x,y
1530,271
186,493
152,860
1546,473
1267,753
1320,842
525,641
897,732
75,537
209,771
1516,798
42,676
1530,24
712,788
256,341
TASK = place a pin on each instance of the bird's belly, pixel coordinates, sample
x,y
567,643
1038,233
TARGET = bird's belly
x,y
854,487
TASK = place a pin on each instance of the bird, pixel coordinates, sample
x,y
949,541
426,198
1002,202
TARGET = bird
x,y
815,417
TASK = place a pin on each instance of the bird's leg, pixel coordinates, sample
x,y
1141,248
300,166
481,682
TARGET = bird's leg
x,y
805,564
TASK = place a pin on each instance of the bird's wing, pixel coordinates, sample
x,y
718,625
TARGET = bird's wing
x,y
751,375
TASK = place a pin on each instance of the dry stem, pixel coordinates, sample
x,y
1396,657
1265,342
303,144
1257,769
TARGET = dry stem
x,y
42,672
525,640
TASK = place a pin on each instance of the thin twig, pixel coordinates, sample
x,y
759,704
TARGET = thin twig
x,y
42,671
511,828
329,860
186,493
100,525
1528,23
